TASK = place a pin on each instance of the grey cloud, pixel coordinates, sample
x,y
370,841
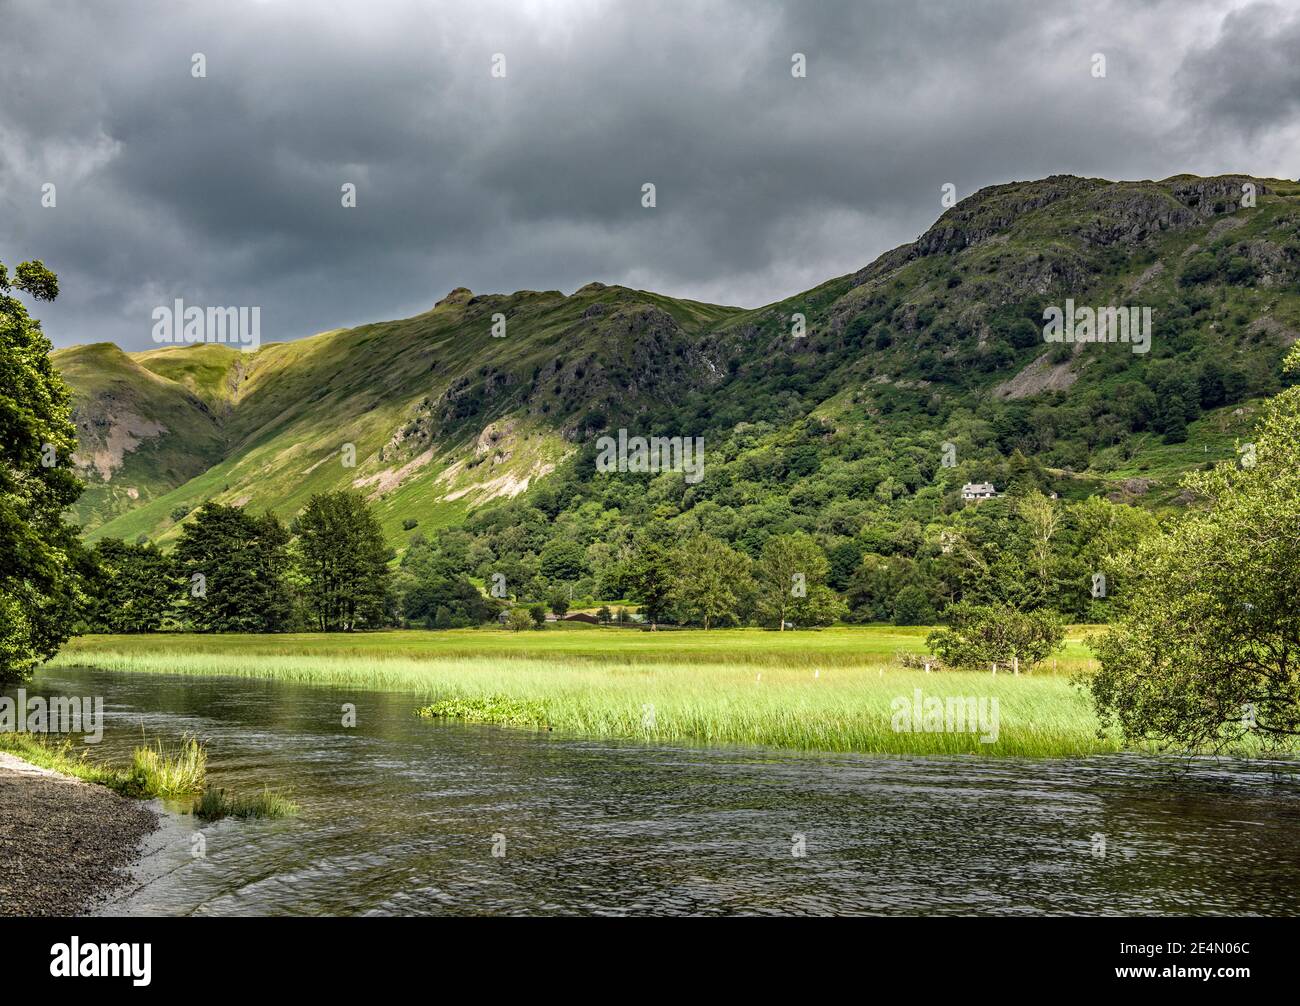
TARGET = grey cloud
x,y
226,190
1247,79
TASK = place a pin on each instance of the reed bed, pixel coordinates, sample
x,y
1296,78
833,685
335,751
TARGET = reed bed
x,y
727,689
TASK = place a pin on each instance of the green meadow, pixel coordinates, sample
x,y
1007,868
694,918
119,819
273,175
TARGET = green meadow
x,y
831,690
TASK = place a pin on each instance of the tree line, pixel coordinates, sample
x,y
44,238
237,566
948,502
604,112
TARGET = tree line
x,y
330,570
234,571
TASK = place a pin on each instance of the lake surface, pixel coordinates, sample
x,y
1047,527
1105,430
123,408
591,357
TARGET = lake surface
x,y
399,816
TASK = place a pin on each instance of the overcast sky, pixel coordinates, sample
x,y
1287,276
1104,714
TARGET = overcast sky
x,y
225,190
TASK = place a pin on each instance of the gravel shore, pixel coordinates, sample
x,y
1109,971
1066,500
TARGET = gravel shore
x,y
64,843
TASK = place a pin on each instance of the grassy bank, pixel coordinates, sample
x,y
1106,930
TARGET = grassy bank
x,y
154,771
178,775
818,691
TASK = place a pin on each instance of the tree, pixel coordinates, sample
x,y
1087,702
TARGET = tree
x,y
788,564
843,560
604,616
711,581
912,606
650,572
42,563
345,561
559,601
234,568
538,615
787,573
562,559
1103,533
135,588
1206,649
978,635
518,620
428,582
1042,517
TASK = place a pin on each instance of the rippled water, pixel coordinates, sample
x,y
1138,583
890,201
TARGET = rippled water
x,y
398,817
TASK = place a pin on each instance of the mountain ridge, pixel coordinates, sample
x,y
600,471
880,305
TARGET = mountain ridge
x,y
946,325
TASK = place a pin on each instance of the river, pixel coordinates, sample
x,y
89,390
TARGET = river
x,y
405,816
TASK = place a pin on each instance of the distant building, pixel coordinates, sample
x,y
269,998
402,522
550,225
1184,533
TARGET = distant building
x,y
973,492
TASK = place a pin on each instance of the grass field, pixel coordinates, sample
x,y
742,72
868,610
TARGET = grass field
x,y
867,646
833,690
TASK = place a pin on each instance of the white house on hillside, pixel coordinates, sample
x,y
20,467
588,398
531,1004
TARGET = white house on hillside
x,y
973,492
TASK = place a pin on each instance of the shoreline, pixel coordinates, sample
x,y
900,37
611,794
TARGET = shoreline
x,y
65,844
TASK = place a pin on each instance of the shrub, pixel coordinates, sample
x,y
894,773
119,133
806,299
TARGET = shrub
x,y
979,635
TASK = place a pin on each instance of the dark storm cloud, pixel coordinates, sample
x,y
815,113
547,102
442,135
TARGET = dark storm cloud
x,y
1247,80
226,190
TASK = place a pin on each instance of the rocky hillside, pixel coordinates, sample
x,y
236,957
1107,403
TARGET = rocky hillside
x,y
940,339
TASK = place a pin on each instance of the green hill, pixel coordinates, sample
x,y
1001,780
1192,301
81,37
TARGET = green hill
x,y
836,431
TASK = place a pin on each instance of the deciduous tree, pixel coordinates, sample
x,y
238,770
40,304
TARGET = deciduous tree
x,y
42,563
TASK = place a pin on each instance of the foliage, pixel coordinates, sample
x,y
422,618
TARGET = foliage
x,y
42,563
135,588
428,582
978,636
345,561
711,582
1206,651
234,567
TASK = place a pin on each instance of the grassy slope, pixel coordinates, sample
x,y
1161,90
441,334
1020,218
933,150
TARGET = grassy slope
x,y
127,399
830,690
286,411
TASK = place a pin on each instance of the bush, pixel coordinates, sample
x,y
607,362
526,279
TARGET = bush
x,y
979,635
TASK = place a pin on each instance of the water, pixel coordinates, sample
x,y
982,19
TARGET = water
x,y
398,817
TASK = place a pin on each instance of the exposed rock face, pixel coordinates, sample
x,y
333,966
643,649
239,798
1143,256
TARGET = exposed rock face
x,y
991,211
461,295
1274,329
1039,376
106,434
1208,196
1128,490
1150,274
1128,214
